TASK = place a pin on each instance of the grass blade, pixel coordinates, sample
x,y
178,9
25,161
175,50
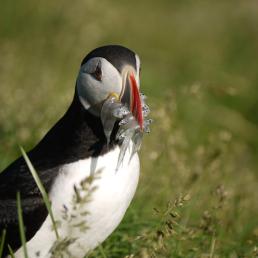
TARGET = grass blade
x,y
2,242
41,188
21,225
213,242
11,251
100,247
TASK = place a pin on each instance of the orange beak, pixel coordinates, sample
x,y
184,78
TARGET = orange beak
x,y
131,97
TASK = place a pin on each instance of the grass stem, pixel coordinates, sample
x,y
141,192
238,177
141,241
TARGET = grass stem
x,y
21,225
2,242
42,190
213,243
11,251
100,247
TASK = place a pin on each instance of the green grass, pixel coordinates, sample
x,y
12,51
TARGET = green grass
x,y
11,251
199,70
42,190
21,225
2,242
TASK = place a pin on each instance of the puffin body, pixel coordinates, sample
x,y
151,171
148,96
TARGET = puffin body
x,y
88,162
114,192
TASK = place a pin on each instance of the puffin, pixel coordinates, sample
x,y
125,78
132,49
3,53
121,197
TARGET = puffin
x,y
87,162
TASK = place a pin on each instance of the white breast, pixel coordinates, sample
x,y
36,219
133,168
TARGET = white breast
x,y
114,192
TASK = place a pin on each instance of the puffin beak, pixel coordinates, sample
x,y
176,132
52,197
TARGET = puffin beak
x,y
131,97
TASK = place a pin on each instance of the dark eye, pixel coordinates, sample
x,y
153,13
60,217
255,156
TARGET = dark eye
x,y
97,74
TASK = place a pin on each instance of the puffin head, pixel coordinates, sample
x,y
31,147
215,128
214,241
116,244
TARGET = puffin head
x,y
110,71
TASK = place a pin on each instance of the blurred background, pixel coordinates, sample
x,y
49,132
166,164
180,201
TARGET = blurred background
x,y
198,192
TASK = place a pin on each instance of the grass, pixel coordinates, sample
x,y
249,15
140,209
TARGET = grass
x,y
11,251
21,225
199,71
102,252
42,190
82,195
2,242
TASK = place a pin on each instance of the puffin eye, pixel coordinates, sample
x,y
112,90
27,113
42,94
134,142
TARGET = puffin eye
x,y
97,74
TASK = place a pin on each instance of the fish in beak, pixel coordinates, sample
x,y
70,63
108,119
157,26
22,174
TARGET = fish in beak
x,y
130,108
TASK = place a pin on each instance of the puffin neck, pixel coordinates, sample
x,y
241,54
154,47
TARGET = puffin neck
x,y
87,129
77,135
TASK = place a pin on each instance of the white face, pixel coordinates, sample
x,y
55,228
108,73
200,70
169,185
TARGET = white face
x,y
98,78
